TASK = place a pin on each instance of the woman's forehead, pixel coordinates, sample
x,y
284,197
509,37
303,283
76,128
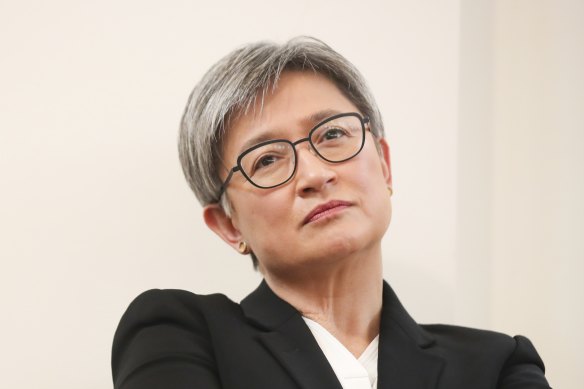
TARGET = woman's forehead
x,y
299,101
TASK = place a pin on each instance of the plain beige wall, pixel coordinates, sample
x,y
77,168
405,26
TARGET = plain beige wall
x,y
538,180
483,107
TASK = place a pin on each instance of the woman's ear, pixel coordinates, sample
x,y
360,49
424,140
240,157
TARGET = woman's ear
x,y
385,161
221,224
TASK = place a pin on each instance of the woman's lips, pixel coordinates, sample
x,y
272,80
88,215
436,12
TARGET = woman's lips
x,y
325,209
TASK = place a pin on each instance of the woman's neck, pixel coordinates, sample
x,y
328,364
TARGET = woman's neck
x,y
344,298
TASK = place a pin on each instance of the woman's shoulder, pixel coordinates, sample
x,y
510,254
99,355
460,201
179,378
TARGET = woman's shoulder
x,y
172,299
175,305
162,325
472,344
459,336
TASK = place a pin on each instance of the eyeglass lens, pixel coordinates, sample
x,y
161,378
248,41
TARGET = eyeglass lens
x,y
274,163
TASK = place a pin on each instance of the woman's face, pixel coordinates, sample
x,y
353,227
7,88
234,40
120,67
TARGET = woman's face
x,y
273,221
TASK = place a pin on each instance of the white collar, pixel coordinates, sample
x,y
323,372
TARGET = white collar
x,y
352,373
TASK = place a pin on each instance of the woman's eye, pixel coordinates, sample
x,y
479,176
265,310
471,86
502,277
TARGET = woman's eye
x,y
265,161
333,133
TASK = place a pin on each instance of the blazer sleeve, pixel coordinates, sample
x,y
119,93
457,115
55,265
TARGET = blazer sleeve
x,y
524,368
163,341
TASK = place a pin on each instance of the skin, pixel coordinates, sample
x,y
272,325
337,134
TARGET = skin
x,y
329,269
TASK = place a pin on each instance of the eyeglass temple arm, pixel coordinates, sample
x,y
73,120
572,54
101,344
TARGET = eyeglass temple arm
x,y
224,185
367,122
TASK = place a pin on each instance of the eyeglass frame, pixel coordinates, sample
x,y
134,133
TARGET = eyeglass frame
x,y
363,119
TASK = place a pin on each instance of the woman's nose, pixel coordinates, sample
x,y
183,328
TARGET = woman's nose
x,y
313,174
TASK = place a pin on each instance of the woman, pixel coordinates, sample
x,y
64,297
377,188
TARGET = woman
x,y
284,147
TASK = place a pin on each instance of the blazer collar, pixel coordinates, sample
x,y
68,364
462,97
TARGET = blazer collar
x,y
406,358
264,308
289,339
394,313
405,349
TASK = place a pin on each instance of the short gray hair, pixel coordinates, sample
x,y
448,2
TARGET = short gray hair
x,y
233,85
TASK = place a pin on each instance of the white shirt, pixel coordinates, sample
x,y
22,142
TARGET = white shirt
x,y
351,372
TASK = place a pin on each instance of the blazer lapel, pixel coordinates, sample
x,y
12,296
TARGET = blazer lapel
x,y
405,359
287,337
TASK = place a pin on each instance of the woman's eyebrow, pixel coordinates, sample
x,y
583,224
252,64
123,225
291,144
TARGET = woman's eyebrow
x,y
265,136
319,116
309,120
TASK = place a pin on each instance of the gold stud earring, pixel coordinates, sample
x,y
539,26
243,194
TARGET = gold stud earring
x,y
243,248
390,191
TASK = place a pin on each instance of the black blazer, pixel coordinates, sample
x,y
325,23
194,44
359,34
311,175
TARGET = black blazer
x,y
176,339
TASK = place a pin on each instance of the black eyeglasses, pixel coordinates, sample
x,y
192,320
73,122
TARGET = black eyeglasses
x,y
273,163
